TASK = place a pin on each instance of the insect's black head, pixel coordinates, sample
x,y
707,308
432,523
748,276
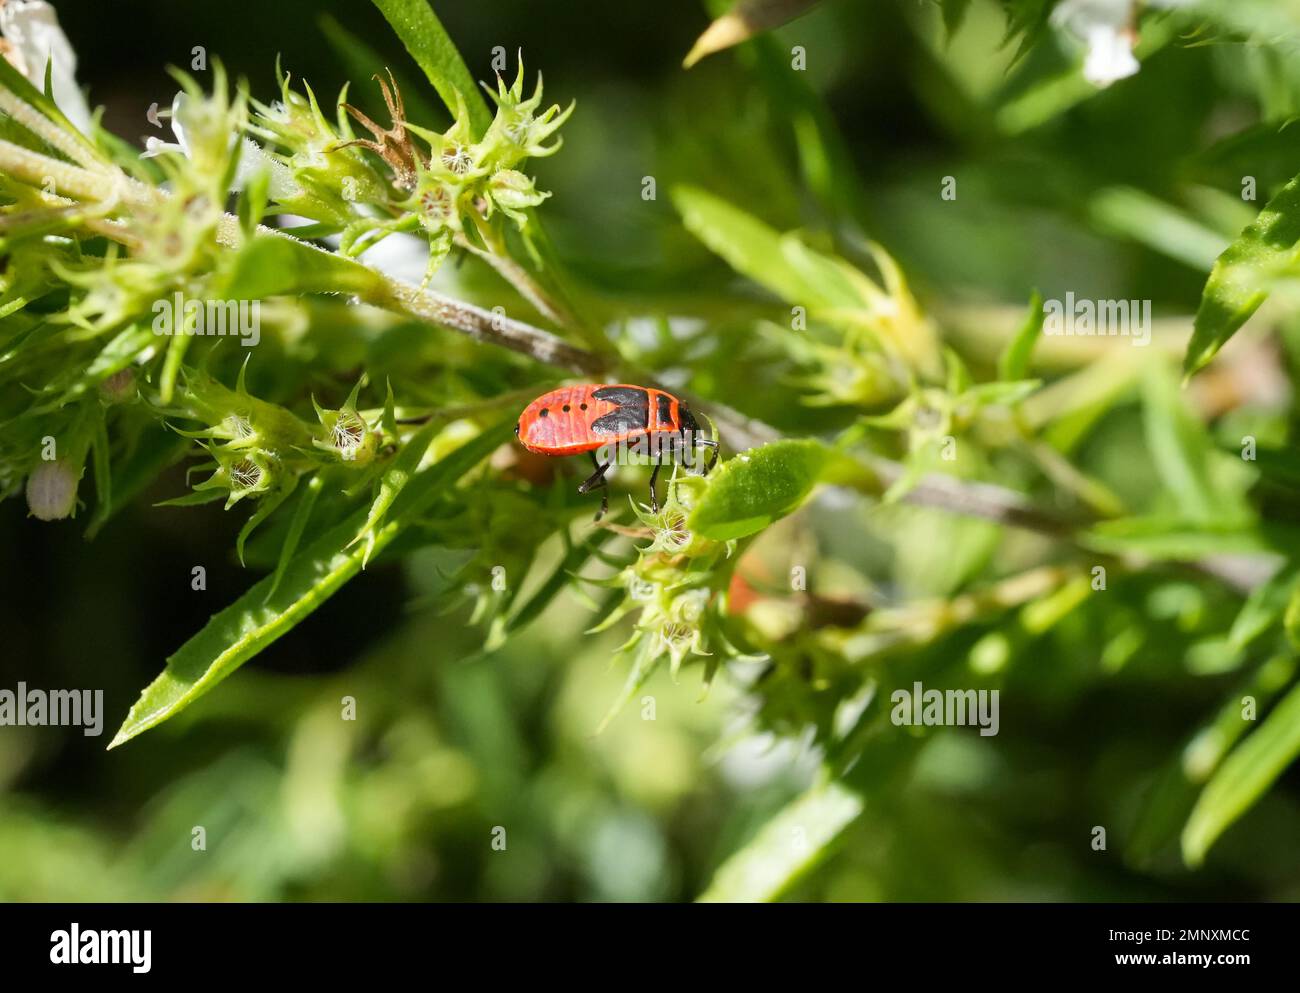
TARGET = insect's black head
x,y
516,429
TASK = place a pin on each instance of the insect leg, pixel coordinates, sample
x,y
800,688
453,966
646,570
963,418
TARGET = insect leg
x,y
654,500
704,443
598,481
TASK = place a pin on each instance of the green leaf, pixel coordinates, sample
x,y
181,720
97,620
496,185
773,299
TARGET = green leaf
x,y
954,15
823,283
746,244
1267,152
575,558
1247,772
1160,226
254,621
360,61
196,498
1013,363
755,488
103,471
434,51
999,394
1268,18
1243,276
154,452
766,867
747,19
120,352
16,83
1185,541
394,479
266,506
252,201
271,265
1172,797
1179,445
760,252
1262,609
644,662
298,524
1291,618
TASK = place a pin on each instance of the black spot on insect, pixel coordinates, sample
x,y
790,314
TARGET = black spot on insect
x,y
665,405
566,408
624,396
582,406
544,413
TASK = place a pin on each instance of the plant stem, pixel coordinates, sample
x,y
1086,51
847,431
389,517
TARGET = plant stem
x,y
35,168
483,325
49,132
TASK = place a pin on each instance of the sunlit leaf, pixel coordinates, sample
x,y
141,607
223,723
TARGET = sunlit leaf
x,y
768,865
1244,275
757,487
747,19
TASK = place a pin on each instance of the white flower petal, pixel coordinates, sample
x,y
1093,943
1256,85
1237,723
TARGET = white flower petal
x,y
1104,26
1110,57
156,146
178,126
32,27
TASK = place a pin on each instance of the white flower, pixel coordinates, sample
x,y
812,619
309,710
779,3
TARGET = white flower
x,y
32,29
156,146
1110,56
252,157
1107,28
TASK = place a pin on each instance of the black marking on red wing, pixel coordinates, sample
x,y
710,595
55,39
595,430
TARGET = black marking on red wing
x,y
622,420
665,404
624,396
633,412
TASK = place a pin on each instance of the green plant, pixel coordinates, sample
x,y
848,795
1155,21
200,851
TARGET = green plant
x,y
355,430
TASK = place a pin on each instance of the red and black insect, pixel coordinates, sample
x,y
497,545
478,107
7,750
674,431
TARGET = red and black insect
x,y
577,419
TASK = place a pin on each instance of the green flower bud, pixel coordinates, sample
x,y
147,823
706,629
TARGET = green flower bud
x,y
244,474
327,177
348,436
518,132
513,193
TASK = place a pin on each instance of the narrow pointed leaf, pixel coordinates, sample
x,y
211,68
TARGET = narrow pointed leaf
x,y
766,867
1246,774
1013,363
254,621
298,524
1243,276
747,19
